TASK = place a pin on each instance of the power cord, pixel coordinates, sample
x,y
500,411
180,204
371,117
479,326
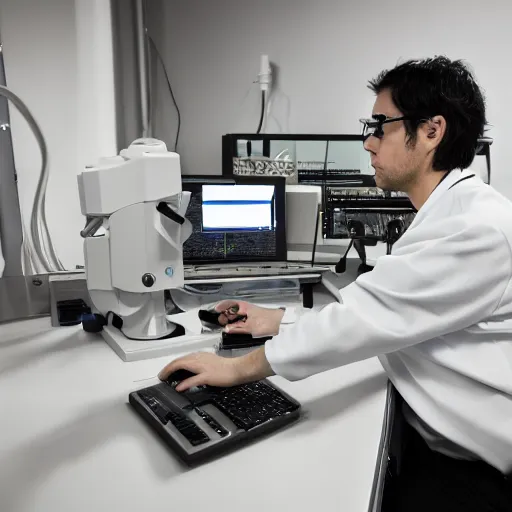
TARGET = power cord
x,y
264,79
159,56
262,116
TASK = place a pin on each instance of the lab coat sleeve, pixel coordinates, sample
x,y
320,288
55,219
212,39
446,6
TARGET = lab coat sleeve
x,y
290,315
441,280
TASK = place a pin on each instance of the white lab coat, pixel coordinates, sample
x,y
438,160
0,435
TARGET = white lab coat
x,y
438,312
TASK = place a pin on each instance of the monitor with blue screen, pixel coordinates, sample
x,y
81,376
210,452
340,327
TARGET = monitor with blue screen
x,y
244,208
240,219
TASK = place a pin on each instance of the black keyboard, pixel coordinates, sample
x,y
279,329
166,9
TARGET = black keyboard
x,y
207,421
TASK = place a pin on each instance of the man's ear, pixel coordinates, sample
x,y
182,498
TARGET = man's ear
x,y
434,130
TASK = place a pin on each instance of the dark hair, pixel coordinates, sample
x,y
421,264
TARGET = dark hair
x,y
422,89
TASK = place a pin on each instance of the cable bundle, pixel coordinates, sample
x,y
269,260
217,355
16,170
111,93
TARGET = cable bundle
x,y
38,254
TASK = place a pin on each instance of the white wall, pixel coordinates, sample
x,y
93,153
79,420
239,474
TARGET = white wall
x,y
53,62
326,51
58,60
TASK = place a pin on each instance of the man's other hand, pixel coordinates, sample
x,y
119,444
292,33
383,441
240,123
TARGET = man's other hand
x,y
256,321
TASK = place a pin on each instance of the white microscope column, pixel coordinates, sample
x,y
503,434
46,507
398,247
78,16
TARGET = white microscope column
x,y
136,198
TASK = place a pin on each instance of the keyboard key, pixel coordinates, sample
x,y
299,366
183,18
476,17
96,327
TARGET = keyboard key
x,y
212,423
184,425
188,428
158,409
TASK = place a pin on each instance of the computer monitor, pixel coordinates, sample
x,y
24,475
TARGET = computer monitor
x,y
240,219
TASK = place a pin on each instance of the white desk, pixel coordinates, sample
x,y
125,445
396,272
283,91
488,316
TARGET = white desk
x,y
70,441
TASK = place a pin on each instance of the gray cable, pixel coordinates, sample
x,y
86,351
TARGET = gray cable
x,y
50,262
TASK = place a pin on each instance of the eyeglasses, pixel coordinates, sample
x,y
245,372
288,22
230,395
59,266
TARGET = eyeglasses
x,y
373,126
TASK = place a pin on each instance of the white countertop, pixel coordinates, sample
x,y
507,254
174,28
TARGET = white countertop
x,y
70,441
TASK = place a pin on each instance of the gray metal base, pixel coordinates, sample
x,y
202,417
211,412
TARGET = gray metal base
x,y
23,297
136,350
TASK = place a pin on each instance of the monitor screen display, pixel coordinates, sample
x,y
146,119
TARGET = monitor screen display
x,y
242,220
228,208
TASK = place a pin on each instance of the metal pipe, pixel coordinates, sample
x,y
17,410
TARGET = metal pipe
x,y
91,227
11,231
143,67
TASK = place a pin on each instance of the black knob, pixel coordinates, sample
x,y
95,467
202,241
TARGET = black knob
x,y
93,322
148,280
356,229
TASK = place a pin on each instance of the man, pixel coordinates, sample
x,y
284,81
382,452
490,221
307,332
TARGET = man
x,y
437,311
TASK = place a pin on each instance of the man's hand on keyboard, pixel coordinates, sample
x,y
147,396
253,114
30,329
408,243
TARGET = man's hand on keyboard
x,y
256,321
218,371
209,369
